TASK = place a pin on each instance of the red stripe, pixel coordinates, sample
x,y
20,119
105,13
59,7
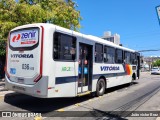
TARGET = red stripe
x,y
41,57
41,62
7,57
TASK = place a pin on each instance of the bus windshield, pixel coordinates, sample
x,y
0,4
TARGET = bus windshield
x,y
25,39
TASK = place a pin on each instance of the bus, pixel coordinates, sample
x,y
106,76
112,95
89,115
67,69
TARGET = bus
x,y
47,61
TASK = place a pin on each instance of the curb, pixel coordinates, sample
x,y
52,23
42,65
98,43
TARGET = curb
x,y
1,98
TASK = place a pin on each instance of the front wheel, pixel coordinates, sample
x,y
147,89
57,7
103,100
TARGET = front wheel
x,y
100,89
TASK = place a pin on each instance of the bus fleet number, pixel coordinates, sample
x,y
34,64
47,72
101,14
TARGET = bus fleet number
x,y
25,66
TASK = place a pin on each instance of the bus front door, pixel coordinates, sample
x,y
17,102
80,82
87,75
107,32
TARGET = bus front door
x,y
85,68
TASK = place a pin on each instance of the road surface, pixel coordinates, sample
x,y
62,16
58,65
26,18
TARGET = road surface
x,y
123,102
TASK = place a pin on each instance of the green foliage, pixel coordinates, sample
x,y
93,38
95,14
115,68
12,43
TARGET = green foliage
x,y
156,63
2,47
59,12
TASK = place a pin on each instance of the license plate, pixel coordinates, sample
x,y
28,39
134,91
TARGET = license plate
x,y
19,88
20,80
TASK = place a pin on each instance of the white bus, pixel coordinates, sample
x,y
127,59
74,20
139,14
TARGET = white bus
x,y
45,61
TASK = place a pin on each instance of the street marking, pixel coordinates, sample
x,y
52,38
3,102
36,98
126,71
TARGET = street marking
x,y
38,118
77,104
1,98
60,110
90,100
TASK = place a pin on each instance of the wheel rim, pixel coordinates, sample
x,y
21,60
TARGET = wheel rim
x,y
101,87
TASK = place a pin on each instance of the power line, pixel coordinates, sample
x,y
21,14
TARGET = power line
x,y
149,50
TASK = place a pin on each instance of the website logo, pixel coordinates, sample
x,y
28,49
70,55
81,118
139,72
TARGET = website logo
x,y
24,36
16,38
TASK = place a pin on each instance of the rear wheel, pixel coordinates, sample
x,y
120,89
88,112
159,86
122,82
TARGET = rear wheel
x,y
100,89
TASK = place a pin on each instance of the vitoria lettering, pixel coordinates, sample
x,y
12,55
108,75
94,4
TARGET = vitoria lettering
x,y
21,55
110,68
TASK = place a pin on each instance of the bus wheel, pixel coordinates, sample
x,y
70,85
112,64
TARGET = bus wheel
x,y
100,89
134,76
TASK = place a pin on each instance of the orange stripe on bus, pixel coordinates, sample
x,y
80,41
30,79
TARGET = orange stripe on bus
x,y
128,69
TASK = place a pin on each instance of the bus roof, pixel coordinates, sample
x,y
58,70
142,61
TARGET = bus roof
x,y
65,30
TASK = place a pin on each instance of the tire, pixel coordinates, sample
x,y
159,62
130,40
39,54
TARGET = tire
x,y
133,77
100,88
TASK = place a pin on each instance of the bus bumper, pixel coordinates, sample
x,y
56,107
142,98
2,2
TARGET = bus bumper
x,y
39,89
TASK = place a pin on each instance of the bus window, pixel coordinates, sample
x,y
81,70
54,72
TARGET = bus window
x,y
127,57
110,54
105,55
133,58
119,56
64,47
98,52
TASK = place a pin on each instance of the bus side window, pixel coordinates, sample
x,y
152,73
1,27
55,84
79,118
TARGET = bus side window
x,y
133,59
64,47
110,53
98,52
105,54
127,57
119,56
55,49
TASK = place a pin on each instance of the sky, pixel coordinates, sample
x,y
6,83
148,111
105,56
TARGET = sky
x,y
135,21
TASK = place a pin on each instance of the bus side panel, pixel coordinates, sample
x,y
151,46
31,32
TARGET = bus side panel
x,y
115,74
65,79
48,62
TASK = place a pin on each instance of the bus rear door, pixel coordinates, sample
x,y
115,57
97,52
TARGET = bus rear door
x,y
85,68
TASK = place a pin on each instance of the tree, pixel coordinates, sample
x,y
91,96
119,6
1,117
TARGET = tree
x,y
59,12
156,63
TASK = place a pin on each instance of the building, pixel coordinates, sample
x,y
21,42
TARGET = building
x,y
115,38
146,64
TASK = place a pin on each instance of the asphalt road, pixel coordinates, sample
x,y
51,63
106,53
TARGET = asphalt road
x,y
118,103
